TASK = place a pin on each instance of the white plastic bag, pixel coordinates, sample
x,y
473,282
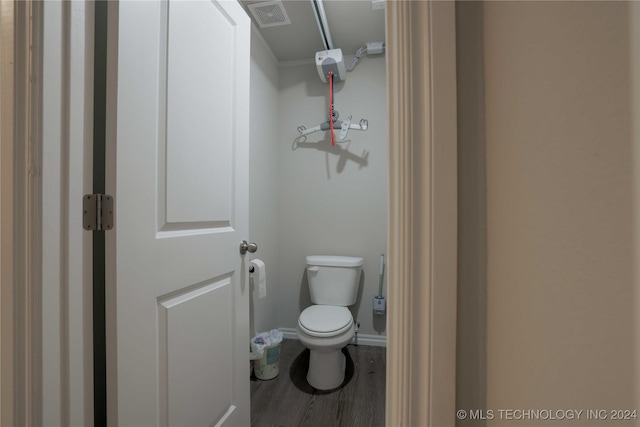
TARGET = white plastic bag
x,y
262,340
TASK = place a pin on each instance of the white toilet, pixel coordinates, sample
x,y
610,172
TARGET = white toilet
x,y
326,327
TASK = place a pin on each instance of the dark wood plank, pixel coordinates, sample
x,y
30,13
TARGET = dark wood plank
x,y
288,400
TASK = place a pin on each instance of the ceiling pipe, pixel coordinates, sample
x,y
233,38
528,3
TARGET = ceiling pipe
x,y
321,18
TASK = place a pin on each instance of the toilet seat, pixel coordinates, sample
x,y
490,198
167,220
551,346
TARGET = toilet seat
x,y
325,320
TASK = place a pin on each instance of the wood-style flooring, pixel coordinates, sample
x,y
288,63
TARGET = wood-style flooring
x,y
289,401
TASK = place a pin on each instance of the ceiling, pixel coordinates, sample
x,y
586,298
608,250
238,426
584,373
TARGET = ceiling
x,y
351,23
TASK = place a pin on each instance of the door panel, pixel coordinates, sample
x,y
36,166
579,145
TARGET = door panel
x,y
181,291
199,82
190,323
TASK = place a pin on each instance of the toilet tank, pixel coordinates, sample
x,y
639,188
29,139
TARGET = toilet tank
x,y
334,280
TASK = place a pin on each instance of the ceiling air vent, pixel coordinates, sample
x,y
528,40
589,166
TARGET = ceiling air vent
x,y
269,13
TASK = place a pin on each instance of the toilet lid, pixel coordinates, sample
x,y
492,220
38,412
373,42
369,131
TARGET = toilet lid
x,y
325,320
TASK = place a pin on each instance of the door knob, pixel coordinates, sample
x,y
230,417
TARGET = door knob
x,y
244,247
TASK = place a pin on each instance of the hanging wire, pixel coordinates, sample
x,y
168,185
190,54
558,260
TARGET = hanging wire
x,y
333,140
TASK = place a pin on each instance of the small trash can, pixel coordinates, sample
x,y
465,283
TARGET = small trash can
x,y
265,353
268,367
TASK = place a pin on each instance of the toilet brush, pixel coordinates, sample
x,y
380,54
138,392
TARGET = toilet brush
x,y
379,301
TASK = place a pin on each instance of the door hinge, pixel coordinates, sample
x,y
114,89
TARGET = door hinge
x,y
97,212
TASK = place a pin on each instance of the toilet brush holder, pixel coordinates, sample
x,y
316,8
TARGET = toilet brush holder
x,y
379,305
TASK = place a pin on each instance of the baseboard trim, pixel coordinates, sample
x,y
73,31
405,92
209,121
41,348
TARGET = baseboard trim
x,y
363,339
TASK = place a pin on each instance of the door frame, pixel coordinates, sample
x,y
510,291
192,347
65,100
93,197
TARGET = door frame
x,y
422,225
42,246
8,244
20,213
421,333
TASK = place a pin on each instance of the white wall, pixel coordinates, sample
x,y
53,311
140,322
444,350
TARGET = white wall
x,y
332,200
311,198
551,89
263,179
561,208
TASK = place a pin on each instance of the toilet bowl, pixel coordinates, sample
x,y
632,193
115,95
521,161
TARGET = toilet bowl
x,y
326,327
325,330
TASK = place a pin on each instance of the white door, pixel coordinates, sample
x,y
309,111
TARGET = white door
x,y
181,313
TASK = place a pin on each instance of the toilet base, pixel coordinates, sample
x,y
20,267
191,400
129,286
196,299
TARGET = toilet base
x,y
326,369
327,363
